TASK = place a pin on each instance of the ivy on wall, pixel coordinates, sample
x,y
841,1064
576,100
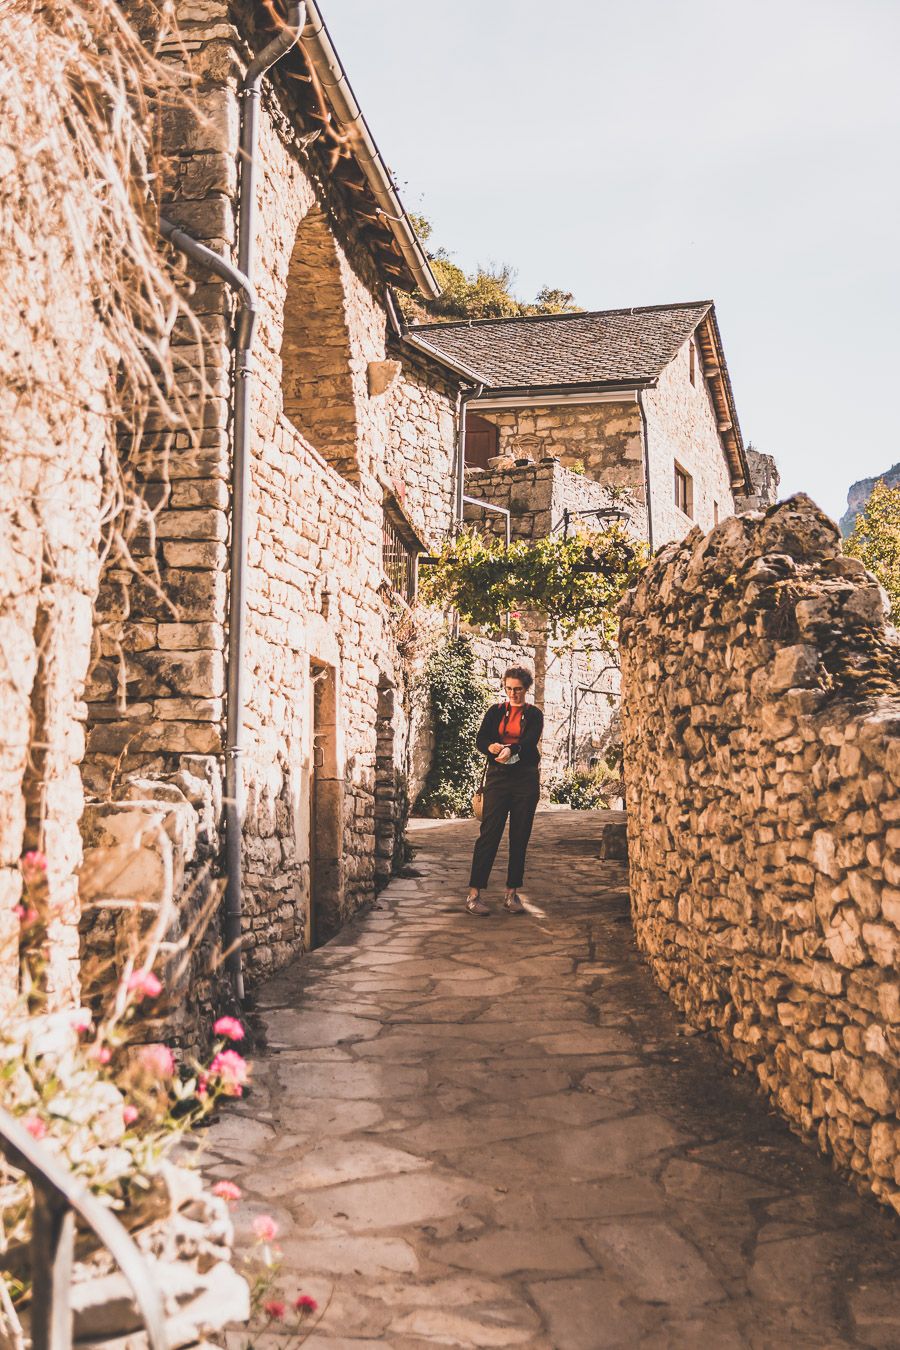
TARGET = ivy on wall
x,y
576,581
458,699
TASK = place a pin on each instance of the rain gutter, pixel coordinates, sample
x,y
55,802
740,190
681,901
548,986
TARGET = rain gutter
x,y
646,430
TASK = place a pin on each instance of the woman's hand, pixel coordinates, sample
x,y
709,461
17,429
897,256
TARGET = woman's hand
x,y
505,752
495,748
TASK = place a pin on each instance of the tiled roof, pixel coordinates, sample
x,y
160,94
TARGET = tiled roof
x,y
608,346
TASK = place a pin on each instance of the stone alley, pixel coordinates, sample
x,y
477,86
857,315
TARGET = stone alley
x,y
499,1132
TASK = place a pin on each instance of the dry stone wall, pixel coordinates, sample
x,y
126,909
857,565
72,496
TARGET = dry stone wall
x,y
761,722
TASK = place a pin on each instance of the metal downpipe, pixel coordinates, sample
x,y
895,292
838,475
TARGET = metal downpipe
x,y
640,399
251,93
465,394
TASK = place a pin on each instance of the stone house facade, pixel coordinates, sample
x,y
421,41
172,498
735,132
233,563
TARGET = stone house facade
x,y
576,687
562,408
349,477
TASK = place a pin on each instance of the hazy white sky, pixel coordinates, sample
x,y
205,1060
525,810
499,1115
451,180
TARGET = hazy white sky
x,y
649,151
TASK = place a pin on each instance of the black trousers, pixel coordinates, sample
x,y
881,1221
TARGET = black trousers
x,y
507,792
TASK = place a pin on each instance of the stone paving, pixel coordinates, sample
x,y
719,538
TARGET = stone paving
x,y
498,1132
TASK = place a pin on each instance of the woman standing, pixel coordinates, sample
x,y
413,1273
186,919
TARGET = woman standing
x,y
509,737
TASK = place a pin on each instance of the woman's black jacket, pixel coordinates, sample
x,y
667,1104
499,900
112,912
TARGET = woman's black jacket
x,y
532,727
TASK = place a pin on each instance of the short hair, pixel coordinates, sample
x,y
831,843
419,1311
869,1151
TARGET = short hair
x,y
520,673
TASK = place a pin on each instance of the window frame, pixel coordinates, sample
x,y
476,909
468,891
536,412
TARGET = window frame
x,y
400,549
685,506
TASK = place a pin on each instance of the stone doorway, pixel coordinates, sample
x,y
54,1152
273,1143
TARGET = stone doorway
x,y
325,810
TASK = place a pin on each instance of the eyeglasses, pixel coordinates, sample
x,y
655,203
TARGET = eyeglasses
x,y
515,689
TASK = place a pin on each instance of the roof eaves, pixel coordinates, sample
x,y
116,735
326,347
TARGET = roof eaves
x,y
525,391
733,439
319,50
458,367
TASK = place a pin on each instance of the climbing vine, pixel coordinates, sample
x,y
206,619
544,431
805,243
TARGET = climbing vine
x,y
576,581
458,699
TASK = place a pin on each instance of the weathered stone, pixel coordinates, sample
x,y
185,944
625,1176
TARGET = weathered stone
x,y
769,904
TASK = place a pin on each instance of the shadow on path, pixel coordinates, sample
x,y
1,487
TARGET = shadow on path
x,y
496,1132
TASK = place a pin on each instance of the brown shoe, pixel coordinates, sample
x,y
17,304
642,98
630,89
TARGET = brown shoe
x,y
475,905
513,905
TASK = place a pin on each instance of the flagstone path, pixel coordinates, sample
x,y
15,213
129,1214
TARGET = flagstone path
x,y
498,1132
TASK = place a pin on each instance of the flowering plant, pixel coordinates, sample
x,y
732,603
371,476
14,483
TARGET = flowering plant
x,y
110,1107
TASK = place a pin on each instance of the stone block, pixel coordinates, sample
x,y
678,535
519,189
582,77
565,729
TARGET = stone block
x,y
793,668
190,636
136,850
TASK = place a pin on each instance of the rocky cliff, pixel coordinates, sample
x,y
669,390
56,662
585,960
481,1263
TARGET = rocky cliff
x,y
859,494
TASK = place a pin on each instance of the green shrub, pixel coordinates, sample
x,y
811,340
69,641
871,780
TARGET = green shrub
x,y
587,790
458,699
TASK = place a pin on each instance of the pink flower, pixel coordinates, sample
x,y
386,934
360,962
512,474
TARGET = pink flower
x,y
275,1309
145,984
35,861
130,1113
229,1027
265,1228
158,1060
101,1053
227,1190
202,1085
25,915
305,1304
81,1020
231,1068
36,1127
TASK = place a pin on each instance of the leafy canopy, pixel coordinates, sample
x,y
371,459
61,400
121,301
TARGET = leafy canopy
x,y
875,541
576,582
486,293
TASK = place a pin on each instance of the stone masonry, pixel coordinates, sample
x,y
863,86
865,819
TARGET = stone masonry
x,y
761,723
576,687
347,426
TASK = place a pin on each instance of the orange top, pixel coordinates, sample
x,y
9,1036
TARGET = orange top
x,y
511,727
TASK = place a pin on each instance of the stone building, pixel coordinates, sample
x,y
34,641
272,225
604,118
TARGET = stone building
x,y
264,669
562,407
250,725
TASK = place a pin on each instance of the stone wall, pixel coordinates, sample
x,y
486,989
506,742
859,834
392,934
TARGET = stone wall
x,y
602,440
682,427
344,422
761,723
577,688
764,482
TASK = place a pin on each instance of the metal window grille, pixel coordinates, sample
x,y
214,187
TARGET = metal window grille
x,y
398,560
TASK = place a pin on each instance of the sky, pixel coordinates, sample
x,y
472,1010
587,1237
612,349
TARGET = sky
x,y
653,151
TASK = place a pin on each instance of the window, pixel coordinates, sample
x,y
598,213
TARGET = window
x,y
399,551
692,356
481,441
684,491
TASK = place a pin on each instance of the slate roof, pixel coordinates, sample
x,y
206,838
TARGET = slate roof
x,y
612,346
